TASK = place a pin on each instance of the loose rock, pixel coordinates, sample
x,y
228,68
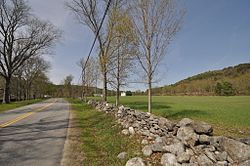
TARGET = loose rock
x,y
169,159
204,139
204,160
221,163
185,122
183,157
158,147
144,142
202,128
176,148
147,151
187,135
125,132
238,151
136,161
122,155
131,130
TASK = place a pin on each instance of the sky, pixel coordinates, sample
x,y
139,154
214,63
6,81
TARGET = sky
x,y
215,34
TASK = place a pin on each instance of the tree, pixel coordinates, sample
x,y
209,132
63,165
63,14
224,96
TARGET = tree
x,y
123,48
22,36
156,23
68,85
90,72
32,70
1,87
88,13
224,89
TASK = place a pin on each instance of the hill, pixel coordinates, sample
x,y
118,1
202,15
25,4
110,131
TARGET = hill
x,y
228,81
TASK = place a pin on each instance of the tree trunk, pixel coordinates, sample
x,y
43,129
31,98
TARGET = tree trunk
x,y
104,91
117,96
6,98
85,94
149,96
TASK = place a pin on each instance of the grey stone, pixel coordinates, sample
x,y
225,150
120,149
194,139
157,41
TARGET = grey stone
x,y
229,159
189,164
190,152
210,148
204,139
193,159
160,140
184,122
169,159
157,147
136,125
147,151
187,135
215,141
245,163
122,155
221,163
152,130
183,157
153,135
199,149
131,130
238,151
204,160
136,161
163,122
221,156
125,132
146,133
202,128
210,155
176,148
144,142
244,140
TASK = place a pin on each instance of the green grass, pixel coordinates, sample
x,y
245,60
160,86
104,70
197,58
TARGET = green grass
x,y
230,116
5,107
101,137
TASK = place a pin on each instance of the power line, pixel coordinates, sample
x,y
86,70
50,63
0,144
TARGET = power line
x,y
97,33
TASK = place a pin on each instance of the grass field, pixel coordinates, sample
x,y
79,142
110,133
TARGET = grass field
x,y
4,107
101,137
230,116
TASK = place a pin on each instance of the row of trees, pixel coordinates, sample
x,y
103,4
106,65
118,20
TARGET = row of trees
x,y
136,33
24,38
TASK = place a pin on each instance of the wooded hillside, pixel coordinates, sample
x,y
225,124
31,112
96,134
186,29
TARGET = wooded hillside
x,y
228,81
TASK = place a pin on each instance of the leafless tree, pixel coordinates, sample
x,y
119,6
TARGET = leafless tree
x,y
89,13
89,76
21,36
156,23
123,49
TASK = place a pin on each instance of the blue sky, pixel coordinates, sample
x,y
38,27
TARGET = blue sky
x,y
215,34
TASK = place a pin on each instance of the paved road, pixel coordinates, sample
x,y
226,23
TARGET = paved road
x,y
34,135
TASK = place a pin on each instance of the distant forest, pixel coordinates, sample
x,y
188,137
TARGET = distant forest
x,y
226,82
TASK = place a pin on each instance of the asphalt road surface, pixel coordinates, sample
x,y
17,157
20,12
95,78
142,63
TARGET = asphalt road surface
x,y
34,135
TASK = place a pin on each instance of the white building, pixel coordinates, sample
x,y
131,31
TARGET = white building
x,y
123,94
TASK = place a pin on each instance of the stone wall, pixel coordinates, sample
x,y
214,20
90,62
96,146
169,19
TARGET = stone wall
x,y
184,143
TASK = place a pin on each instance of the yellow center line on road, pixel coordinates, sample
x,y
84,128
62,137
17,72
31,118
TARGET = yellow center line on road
x,y
26,115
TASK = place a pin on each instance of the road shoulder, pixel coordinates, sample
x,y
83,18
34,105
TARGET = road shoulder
x,y
72,152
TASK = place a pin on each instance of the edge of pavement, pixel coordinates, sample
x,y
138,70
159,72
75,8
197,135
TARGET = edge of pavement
x,y
72,151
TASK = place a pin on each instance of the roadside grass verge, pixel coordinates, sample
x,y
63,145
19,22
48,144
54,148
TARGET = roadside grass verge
x,y
101,137
13,105
230,116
